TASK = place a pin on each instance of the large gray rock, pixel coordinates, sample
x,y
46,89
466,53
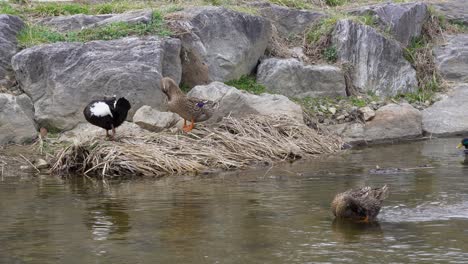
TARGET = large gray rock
x,y
16,123
452,58
391,123
453,10
62,78
288,21
154,120
449,115
378,63
218,44
403,21
238,103
81,21
9,28
294,79
86,131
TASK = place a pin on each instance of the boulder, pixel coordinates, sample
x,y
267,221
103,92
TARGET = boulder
x,y
218,44
9,28
16,124
292,78
288,21
454,10
238,103
451,58
366,113
403,21
62,78
81,21
86,131
448,116
377,62
391,122
154,120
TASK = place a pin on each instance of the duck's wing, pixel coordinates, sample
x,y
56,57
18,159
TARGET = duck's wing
x,y
201,103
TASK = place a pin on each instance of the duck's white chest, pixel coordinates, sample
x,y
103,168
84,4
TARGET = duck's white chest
x,y
100,109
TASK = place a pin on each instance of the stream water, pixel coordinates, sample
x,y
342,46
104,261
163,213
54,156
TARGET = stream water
x,y
268,215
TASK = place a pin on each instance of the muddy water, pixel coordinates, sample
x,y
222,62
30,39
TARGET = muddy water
x,y
270,215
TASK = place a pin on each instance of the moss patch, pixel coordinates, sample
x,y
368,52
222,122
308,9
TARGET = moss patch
x,y
247,83
34,34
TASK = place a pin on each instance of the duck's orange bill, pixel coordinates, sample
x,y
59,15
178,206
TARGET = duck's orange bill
x,y
460,145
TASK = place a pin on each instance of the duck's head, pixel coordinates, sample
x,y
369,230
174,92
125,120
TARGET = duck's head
x,y
169,87
463,143
122,104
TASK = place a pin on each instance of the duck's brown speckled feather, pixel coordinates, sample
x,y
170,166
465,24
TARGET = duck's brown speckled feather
x,y
359,204
189,108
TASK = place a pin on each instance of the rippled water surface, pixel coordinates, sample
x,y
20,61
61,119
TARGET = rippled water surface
x,y
270,215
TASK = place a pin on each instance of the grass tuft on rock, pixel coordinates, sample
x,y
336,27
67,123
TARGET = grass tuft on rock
x,y
247,83
335,2
6,8
61,9
419,54
34,34
230,144
298,4
317,40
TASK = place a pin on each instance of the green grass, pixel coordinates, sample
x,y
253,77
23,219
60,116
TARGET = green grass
x,y
247,83
298,4
60,8
6,8
335,2
35,35
421,96
185,88
57,9
416,44
366,19
322,28
322,105
330,54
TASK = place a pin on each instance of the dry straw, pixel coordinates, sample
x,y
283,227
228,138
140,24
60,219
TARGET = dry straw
x,y
230,144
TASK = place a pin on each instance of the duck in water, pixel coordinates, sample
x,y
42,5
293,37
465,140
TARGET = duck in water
x,y
107,113
464,143
189,108
361,205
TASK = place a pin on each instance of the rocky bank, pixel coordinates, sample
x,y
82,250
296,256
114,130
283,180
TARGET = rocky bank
x,y
211,45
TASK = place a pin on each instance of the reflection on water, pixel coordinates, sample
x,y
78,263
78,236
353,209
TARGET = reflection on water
x,y
278,215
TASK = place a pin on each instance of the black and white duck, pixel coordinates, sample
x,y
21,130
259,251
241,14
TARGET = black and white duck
x,y
107,113
361,205
464,143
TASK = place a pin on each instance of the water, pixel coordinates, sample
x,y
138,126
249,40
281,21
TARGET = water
x,y
269,215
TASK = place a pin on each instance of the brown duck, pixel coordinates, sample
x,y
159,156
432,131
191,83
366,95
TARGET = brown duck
x,y
362,205
189,108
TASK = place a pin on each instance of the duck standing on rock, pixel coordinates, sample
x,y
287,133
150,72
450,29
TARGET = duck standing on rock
x,y
464,143
361,205
189,108
108,114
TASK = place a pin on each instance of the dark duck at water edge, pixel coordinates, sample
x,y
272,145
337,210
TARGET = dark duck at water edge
x,y
107,113
360,205
189,108
464,143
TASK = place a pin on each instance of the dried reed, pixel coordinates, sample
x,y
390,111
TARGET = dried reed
x,y
230,144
